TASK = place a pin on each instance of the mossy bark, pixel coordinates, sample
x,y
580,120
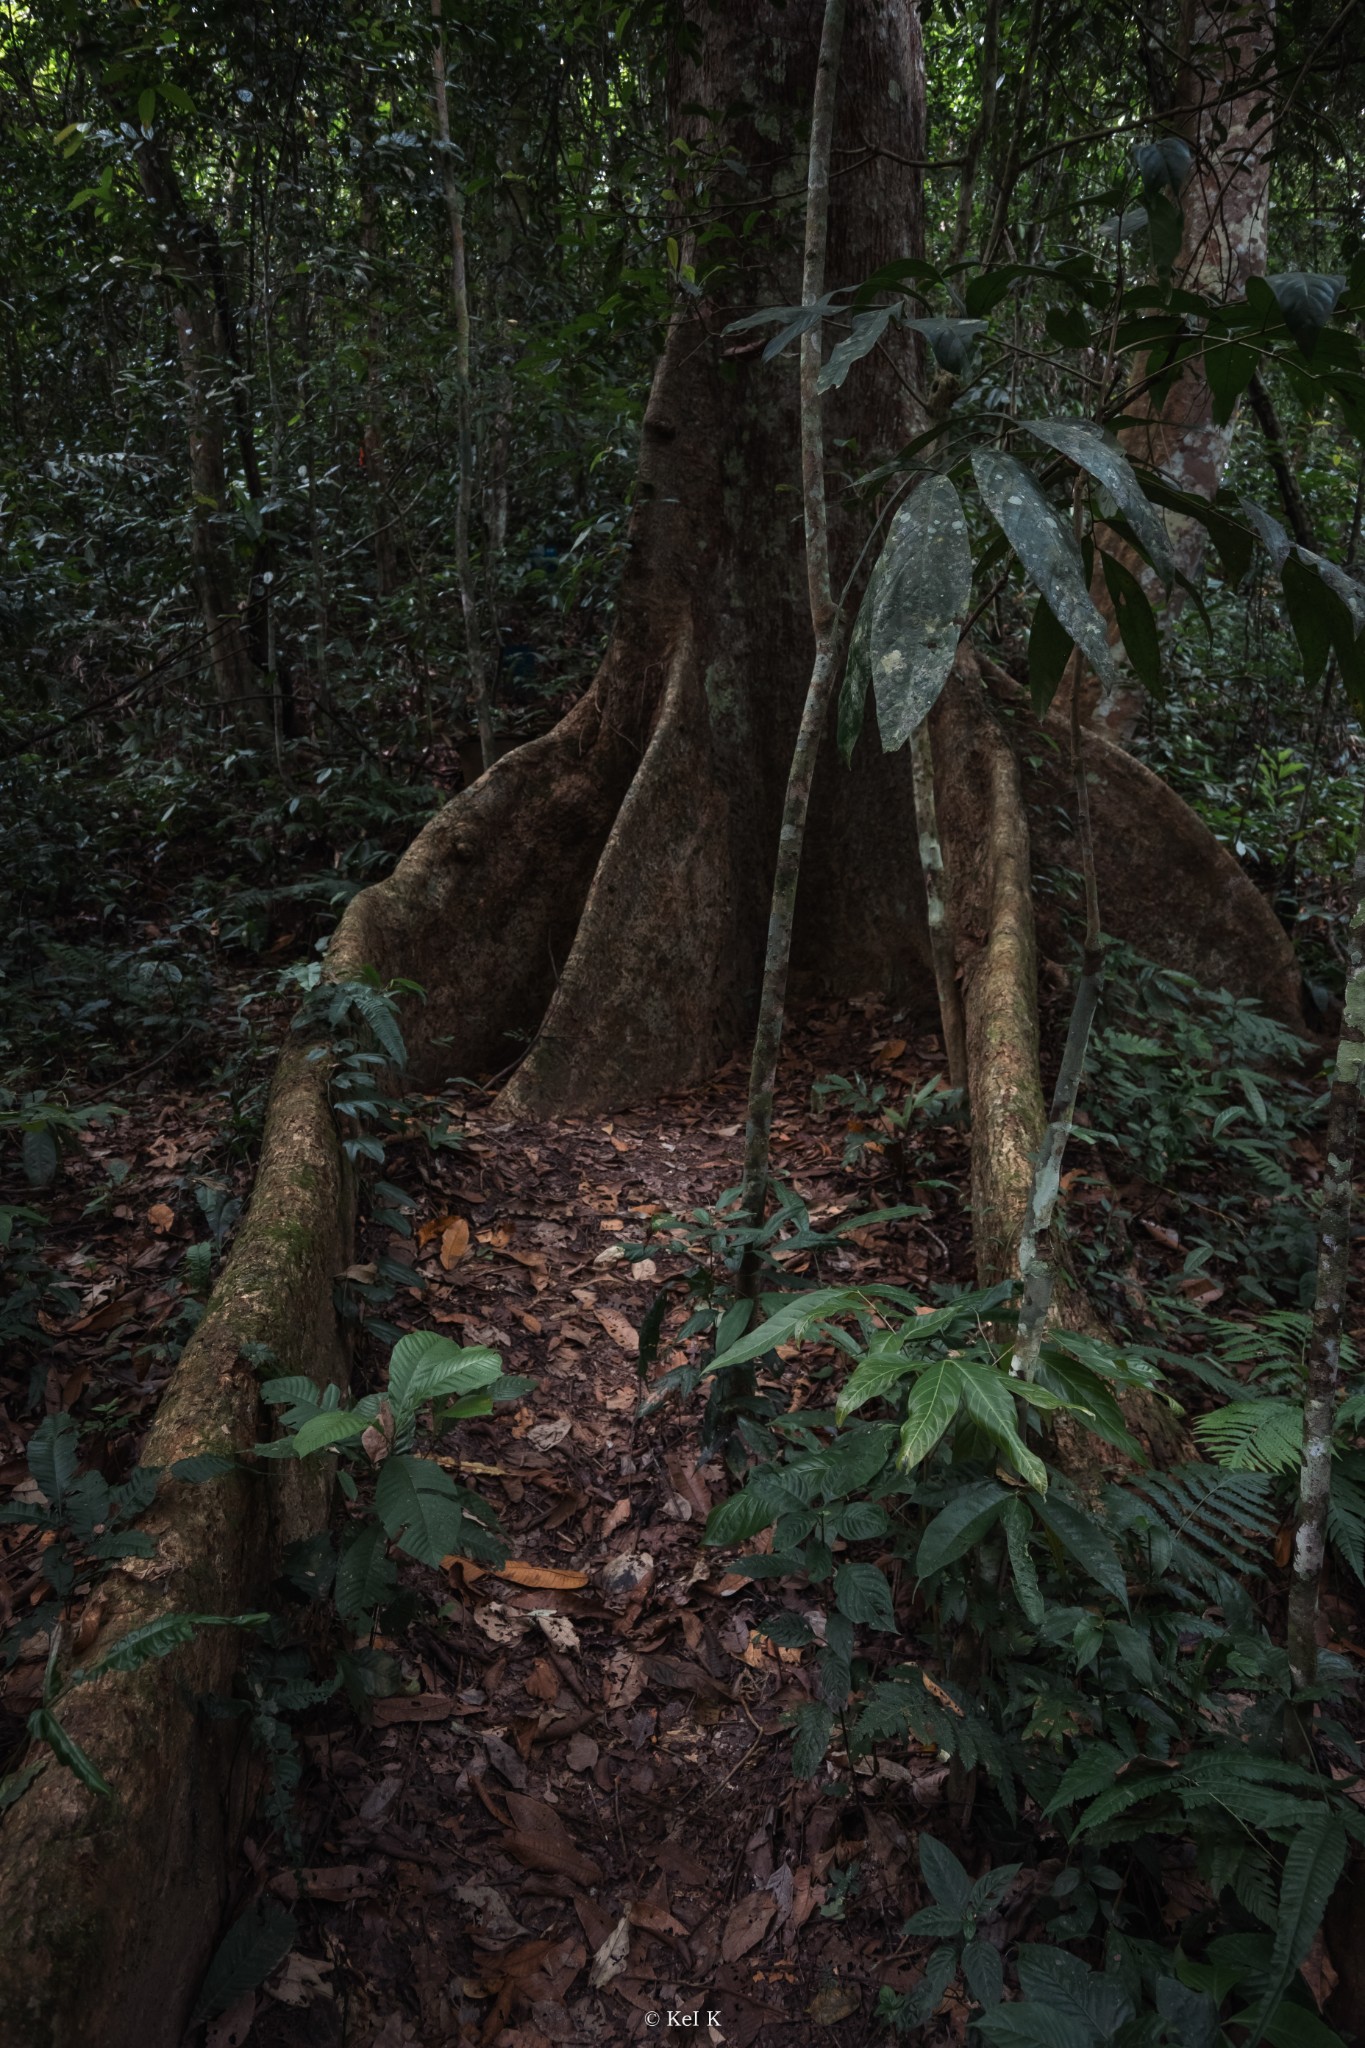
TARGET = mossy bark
x,y
109,1908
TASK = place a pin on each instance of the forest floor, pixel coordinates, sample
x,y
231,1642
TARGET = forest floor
x,y
583,1825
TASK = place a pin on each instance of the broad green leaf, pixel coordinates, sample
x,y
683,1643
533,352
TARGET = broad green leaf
x,y
958,1526
789,1322
1080,1533
1306,299
1165,163
1093,1772
425,1363
950,340
254,1946
419,1506
861,1592
858,663
868,329
876,1375
1165,228
932,1405
921,605
1136,623
1229,366
43,1726
862,1521
1045,545
52,1456
813,1723
990,1404
1305,599
1049,650
1099,455
321,1432
1268,531
789,1631
947,1880
40,1157
1025,2025
984,1971
366,1577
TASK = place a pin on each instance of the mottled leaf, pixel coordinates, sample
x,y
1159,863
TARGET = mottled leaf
x,y
867,331
922,597
1100,456
1048,551
1136,621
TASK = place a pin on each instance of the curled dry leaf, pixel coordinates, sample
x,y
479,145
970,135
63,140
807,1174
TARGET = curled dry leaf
x,y
547,1577
612,1957
454,1242
161,1217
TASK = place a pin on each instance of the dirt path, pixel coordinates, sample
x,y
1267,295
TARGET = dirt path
x,y
584,1828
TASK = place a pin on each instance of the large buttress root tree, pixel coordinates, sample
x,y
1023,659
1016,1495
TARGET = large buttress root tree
x,y
595,906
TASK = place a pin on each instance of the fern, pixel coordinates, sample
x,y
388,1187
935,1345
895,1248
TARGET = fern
x,y
1218,1526
1261,1435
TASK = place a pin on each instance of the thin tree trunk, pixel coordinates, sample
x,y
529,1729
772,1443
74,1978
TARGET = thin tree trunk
x,y
1037,1264
941,938
1323,1361
459,285
825,623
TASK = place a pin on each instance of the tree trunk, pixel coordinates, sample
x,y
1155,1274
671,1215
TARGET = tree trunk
x,y
601,896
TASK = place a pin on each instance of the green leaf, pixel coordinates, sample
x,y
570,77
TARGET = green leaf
x,y
420,1508
1136,622
1313,1862
44,1726
205,1465
876,1375
424,1365
1306,299
322,1432
984,1971
52,1456
742,1516
146,108
157,1639
1046,547
1034,2026
990,1403
861,1592
790,1322
932,1405
1305,600
366,1577
813,1723
922,602
1093,1772
1099,455
944,1875
950,340
1080,1534
790,1631
957,1527
1165,163
1229,366
868,329
1017,1525
254,1946
1166,228
862,1521
40,1156
1049,650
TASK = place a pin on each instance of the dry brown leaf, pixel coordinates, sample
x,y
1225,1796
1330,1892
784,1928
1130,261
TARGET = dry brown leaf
x,y
620,1329
417,1706
336,1882
582,1753
161,1217
543,1681
548,1576
454,1242
832,2003
231,2028
654,1918
436,1227
747,1925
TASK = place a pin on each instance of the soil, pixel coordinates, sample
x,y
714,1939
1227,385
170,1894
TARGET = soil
x,y
583,1814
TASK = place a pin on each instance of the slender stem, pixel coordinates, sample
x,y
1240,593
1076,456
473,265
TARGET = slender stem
x,y
1323,1362
459,286
825,621
941,943
1036,1265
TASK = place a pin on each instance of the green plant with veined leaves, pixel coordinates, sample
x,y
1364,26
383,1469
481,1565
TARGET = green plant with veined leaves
x,y
409,1499
1094,1648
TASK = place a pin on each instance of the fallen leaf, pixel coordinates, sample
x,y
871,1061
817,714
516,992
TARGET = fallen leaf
x,y
546,1436
336,1882
499,1625
417,1706
582,1753
558,1630
611,1959
655,1919
231,2028
832,2003
543,1681
547,1576
363,1276
620,1329
161,1217
454,1242
494,1921
747,1925
506,1762
301,1981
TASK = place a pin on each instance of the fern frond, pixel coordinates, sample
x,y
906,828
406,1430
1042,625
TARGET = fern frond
x,y
1261,1435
